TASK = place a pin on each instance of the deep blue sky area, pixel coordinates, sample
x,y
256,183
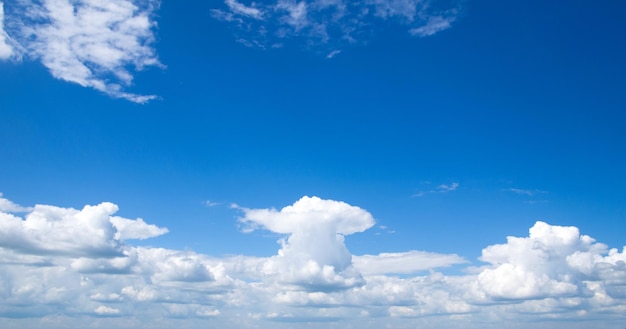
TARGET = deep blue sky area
x,y
526,95
453,141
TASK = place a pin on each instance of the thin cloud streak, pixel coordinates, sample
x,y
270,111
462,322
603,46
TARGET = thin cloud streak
x,y
443,188
524,192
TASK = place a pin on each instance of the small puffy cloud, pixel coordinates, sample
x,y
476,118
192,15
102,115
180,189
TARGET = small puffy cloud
x,y
311,213
135,229
331,24
105,310
96,44
314,254
6,51
404,262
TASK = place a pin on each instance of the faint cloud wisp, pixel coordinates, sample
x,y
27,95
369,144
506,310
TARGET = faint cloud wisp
x,y
443,188
329,25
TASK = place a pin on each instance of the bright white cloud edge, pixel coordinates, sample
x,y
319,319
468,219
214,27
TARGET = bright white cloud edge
x,y
73,266
95,44
6,51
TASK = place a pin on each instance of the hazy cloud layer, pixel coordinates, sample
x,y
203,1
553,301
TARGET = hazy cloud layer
x,y
93,43
409,262
61,267
330,24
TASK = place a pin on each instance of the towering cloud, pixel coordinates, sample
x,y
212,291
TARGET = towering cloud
x,y
313,255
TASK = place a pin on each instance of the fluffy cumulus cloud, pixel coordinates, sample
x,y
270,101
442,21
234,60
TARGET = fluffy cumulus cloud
x,y
93,43
553,261
89,231
330,24
314,254
63,267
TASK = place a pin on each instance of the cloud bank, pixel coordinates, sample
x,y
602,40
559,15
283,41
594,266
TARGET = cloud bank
x,y
330,24
96,44
63,267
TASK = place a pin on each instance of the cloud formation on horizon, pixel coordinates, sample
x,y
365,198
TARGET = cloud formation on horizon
x,y
63,263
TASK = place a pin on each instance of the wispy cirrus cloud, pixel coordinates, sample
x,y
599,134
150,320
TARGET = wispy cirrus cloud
x,y
524,191
95,44
533,196
443,188
80,267
330,24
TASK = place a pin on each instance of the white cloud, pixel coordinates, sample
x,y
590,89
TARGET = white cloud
x,y
433,25
135,229
330,24
403,262
311,213
314,255
105,310
92,43
447,188
6,51
244,10
56,230
8,206
524,192
553,261
49,271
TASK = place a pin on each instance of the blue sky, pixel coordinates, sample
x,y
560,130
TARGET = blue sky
x,y
399,143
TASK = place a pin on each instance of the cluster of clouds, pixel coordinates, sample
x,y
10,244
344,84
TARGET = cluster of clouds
x,y
331,24
92,43
101,44
60,266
